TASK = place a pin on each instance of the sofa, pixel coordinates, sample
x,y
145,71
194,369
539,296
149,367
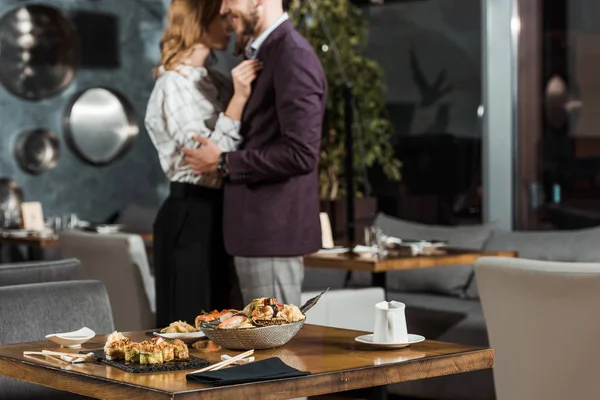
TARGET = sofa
x,y
443,302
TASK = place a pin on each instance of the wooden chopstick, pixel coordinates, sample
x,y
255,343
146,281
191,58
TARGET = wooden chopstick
x,y
57,359
55,353
225,363
72,355
44,353
47,361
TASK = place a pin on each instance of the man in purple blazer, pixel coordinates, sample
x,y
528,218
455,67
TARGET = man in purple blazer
x,y
271,210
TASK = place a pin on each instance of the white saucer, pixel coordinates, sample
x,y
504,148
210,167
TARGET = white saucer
x,y
368,339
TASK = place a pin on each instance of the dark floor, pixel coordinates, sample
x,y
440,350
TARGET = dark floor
x,y
360,395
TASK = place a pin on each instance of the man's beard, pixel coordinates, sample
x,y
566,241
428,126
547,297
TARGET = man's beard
x,y
249,23
248,30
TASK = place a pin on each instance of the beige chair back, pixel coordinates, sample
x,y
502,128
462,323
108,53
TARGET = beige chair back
x,y
326,232
120,262
542,322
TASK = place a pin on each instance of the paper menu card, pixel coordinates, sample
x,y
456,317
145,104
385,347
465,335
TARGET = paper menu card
x,y
326,233
33,217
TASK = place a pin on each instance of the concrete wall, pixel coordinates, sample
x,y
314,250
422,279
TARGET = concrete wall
x,y
73,186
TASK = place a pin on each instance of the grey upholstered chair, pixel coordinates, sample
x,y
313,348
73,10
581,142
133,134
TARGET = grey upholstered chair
x,y
38,272
29,312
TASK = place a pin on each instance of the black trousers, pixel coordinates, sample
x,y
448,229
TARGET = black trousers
x,y
193,272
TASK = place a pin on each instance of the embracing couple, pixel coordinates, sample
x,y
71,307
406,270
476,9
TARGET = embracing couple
x,y
242,158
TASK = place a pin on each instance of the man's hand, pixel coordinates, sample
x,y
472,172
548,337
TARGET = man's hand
x,y
204,159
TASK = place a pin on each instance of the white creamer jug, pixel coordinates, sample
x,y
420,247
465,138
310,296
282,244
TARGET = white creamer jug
x,y
390,323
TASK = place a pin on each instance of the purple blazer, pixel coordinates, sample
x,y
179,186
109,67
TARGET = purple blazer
x,y
271,204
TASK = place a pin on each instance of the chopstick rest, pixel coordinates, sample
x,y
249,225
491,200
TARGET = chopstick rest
x,y
243,361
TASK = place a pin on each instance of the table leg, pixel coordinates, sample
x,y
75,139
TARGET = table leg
x,y
379,393
347,279
35,253
374,393
378,279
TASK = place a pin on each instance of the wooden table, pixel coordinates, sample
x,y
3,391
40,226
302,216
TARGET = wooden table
x,y
379,266
36,244
336,361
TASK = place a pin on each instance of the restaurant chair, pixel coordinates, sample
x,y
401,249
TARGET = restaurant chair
x,y
29,312
137,219
345,308
121,263
542,324
37,272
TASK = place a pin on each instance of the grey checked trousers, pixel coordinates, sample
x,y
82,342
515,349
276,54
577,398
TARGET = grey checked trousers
x,y
280,278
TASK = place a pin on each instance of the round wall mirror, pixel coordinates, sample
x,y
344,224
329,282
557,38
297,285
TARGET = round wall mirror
x,y
39,51
100,125
37,151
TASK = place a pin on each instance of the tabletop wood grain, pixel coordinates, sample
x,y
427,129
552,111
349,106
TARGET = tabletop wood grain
x,y
336,361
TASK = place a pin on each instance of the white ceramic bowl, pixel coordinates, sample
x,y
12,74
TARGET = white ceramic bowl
x,y
72,340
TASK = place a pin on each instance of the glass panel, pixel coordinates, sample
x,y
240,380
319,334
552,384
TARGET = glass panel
x,y
431,53
571,138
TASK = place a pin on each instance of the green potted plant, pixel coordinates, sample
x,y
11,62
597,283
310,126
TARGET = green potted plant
x,y
345,24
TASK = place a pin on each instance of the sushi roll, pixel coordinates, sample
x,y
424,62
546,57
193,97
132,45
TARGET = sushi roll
x,y
167,349
149,354
132,353
114,349
151,358
182,353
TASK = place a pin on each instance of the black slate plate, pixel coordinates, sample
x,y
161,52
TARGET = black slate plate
x,y
193,363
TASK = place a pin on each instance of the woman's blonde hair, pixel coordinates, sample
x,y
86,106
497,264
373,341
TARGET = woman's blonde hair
x,y
187,23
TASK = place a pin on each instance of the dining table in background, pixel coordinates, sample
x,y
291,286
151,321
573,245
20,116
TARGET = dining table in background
x,y
379,266
336,361
36,244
